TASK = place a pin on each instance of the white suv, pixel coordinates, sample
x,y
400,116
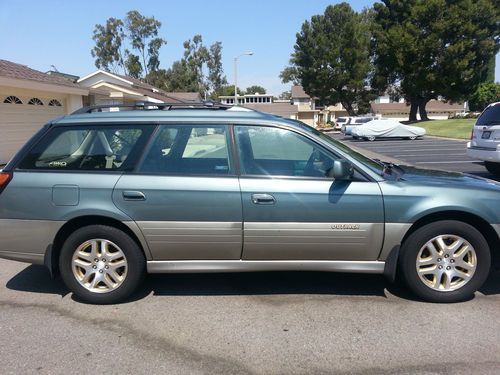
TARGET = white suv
x,y
485,139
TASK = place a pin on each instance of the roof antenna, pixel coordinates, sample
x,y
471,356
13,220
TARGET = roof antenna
x,y
54,68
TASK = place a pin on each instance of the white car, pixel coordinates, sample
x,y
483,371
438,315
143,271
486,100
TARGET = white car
x,y
340,122
485,139
387,129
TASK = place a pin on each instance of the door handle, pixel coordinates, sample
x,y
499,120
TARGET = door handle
x,y
131,195
263,199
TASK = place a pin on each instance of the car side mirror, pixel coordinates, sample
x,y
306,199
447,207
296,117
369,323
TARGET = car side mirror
x,y
341,170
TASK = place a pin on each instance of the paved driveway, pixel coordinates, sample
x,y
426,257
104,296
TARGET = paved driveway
x,y
429,152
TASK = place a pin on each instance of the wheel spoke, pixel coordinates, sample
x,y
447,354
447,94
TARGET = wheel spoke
x,y
82,264
422,262
456,245
441,245
432,249
94,246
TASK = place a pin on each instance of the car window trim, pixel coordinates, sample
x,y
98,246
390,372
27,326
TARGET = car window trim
x,y
311,139
141,159
50,127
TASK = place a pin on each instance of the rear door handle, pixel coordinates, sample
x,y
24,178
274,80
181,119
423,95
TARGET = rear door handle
x,y
263,199
132,195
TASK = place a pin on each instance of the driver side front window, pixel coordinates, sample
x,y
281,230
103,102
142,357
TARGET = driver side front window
x,y
280,152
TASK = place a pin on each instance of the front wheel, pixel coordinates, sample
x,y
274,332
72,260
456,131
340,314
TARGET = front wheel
x,y
101,264
445,261
493,168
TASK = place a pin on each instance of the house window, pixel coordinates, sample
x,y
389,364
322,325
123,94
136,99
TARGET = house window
x,y
12,100
35,101
55,103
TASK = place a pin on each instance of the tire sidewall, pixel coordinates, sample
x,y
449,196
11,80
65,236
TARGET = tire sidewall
x,y
413,244
132,252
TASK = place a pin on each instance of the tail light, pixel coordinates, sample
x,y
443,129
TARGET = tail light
x,y
472,134
5,178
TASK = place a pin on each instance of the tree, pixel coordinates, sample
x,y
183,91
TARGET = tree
x,y
108,40
285,95
216,77
433,48
132,45
331,57
486,93
228,90
255,89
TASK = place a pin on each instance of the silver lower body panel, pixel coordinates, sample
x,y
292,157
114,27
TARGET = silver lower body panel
x,y
208,266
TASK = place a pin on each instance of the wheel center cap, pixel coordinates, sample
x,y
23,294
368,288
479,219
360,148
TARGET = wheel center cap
x,y
100,265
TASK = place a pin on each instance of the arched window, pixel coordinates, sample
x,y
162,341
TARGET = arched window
x,y
35,101
12,100
55,103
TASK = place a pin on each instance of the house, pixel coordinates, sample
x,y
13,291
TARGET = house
x,y
247,99
436,109
111,88
28,99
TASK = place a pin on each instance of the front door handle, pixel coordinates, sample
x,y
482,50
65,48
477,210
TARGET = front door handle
x,y
263,199
132,195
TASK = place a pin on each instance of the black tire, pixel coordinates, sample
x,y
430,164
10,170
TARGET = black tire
x,y
136,263
493,168
413,244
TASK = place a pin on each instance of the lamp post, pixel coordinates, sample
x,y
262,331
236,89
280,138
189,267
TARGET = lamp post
x,y
236,75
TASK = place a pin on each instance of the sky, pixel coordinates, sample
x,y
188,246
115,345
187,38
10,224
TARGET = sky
x,y
59,32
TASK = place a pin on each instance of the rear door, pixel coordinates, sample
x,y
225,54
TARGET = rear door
x,y
185,196
292,210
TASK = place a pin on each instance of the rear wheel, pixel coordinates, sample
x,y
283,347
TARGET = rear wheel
x,y
371,138
445,261
412,138
493,168
101,264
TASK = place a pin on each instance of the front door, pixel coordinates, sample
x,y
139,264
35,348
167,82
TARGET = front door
x,y
293,211
185,196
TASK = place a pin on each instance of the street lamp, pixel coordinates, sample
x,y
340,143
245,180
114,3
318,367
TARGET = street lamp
x,y
236,75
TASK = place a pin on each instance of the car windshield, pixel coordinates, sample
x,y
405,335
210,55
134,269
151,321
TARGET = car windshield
x,y
342,119
376,166
491,116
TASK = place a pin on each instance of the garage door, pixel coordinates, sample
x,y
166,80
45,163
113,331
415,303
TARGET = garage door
x,y
18,122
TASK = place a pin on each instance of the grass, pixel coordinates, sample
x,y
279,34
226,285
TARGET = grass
x,y
455,128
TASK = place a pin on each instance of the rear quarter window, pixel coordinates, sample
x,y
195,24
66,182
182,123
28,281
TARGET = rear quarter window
x,y
88,148
490,116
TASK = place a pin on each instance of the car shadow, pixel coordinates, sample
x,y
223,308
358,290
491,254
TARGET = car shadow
x,y
36,279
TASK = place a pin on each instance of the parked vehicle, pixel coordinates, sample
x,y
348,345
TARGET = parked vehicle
x,y
341,121
387,129
102,197
355,121
485,139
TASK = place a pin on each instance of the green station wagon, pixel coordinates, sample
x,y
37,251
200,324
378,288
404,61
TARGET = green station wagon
x,y
103,196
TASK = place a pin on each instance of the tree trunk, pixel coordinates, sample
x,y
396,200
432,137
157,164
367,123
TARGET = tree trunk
x,y
413,109
348,107
421,109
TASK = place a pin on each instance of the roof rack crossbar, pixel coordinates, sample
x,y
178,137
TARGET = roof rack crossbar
x,y
145,105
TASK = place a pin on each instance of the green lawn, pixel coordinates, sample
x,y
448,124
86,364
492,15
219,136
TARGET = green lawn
x,y
460,128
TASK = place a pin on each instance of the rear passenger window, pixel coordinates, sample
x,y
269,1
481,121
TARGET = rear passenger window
x,y
90,148
188,150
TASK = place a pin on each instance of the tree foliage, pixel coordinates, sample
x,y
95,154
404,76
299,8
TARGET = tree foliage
x,y
433,48
255,89
486,93
132,45
331,57
216,77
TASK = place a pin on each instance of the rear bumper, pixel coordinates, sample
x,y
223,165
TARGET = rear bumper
x,y
483,153
27,240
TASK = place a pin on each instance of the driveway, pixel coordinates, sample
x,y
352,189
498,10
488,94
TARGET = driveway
x,y
260,323
429,152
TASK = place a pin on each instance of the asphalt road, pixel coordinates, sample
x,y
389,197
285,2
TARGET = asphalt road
x,y
429,152
262,323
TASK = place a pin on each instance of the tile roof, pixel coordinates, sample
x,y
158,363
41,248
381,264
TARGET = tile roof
x,y
18,71
280,109
298,92
433,105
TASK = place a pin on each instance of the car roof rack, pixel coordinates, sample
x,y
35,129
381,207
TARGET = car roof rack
x,y
145,105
